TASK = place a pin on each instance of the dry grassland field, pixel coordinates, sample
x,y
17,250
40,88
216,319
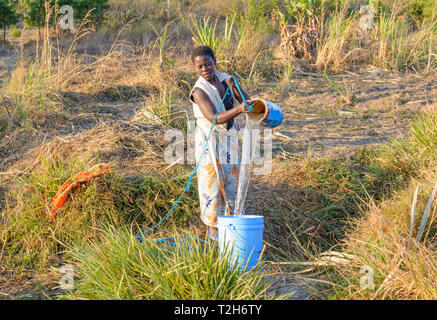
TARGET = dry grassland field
x,y
348,200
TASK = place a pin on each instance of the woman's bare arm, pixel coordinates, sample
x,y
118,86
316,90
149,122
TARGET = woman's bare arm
x,y
208,110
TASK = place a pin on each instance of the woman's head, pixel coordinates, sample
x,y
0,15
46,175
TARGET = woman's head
x,y
204,62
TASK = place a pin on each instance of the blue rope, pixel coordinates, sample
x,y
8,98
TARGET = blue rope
x,y
192,174
242,96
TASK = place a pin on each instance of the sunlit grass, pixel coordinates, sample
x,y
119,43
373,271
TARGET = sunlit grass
x,y
120,267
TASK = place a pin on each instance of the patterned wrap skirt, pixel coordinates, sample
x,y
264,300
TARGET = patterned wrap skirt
x,y
217,194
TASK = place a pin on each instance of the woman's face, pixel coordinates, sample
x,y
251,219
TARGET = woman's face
x,y
205,67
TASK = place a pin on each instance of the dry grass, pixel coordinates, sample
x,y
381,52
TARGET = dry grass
x,y
402,267
308,203
384,239
334,46
134,191
393,43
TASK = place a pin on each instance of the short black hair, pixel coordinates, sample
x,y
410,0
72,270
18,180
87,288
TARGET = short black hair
x,y
202,51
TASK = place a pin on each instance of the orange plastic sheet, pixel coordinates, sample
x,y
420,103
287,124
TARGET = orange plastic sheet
x,y
71,185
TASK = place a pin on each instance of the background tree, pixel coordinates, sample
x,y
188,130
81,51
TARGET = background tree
x,y
7,16
35,14
81,7
35,10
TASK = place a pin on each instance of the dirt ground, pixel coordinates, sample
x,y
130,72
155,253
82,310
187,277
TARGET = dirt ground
x,y
316,121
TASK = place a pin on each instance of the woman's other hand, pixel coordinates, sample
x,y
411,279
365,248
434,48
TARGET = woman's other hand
x,y
237,91
231,81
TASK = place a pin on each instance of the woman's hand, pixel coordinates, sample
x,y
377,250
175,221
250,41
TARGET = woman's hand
x,y
242,107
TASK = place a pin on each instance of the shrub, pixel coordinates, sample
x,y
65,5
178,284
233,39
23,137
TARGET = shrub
x,y
16,33
421,9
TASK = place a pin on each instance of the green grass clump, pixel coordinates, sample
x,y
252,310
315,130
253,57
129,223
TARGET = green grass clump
x,y
28,239
241,47
403,49
410,155
420,9
16,33
120,267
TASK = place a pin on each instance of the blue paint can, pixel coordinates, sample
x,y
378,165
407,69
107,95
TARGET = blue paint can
x,y
272,113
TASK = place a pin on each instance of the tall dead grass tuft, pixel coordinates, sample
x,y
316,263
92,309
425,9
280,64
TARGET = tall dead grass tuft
x,y
392,41
397,266
402,48
37,83
334,47
240,47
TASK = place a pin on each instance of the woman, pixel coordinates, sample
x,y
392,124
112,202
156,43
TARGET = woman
x,y
216,193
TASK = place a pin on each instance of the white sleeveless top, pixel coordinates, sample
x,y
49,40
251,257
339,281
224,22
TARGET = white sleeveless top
x,y
220,134
214,96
